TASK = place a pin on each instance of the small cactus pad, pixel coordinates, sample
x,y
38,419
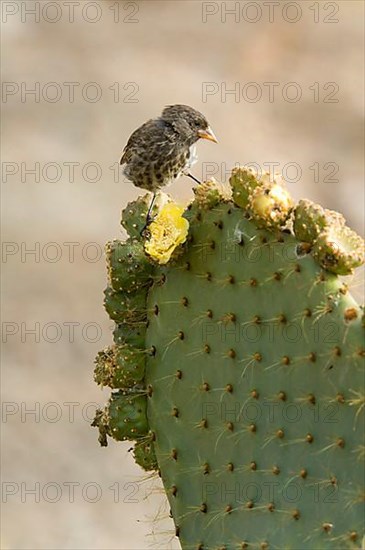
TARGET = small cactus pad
x,y
128,267
120,367
134,217
145,456
124,417
245,387
134,334
124,307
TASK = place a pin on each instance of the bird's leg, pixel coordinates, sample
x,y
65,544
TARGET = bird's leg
x,y
149,217
193,178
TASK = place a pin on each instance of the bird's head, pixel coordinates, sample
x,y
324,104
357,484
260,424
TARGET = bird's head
x,y
191,124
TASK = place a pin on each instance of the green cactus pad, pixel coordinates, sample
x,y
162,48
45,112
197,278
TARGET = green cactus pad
x,y
254,381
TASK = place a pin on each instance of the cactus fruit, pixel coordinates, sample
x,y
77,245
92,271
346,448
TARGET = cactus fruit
x,y
310,219
267,202
335,246
246,389
208,195
339,249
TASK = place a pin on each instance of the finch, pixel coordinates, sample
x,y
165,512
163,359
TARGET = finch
x,y
163,148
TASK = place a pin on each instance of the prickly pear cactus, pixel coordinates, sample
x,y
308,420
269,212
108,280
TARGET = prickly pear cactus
x,y
237,366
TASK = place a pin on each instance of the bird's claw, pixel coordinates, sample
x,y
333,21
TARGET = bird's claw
x,y
145,232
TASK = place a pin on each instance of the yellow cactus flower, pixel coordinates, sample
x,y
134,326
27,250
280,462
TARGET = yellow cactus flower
x,y
168,230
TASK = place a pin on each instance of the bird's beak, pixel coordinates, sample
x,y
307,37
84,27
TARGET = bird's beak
x,y
207,134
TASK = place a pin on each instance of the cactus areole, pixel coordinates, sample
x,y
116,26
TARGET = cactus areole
x,y
238,366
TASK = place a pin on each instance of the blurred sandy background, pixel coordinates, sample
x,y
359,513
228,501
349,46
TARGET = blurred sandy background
x,y
163,57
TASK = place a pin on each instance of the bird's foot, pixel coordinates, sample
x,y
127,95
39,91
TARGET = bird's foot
x,y
145,232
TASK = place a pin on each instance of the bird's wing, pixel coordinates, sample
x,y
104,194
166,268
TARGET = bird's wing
x,y
135,138
153,134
